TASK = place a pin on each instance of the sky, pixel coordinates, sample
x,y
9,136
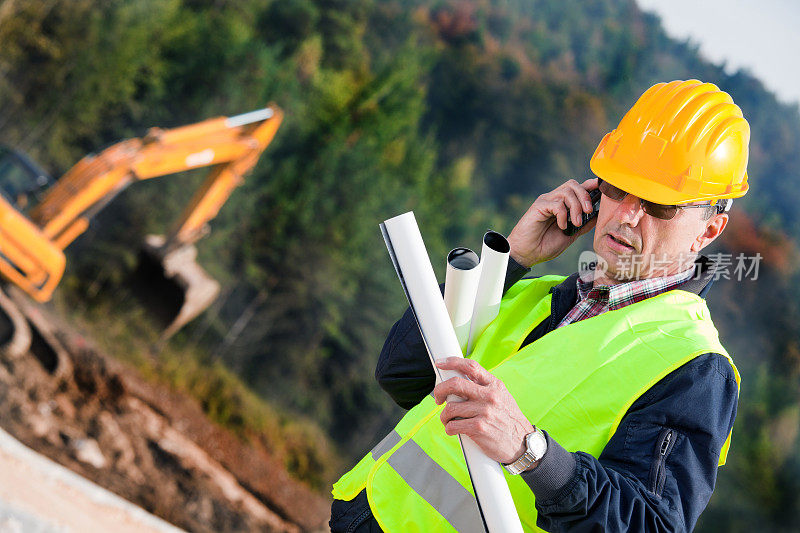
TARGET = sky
x,y
761,36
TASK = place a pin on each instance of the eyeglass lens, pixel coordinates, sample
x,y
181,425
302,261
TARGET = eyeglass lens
x,y
664,212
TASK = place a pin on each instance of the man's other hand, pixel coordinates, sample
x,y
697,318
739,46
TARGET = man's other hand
x,y
539,235
488,414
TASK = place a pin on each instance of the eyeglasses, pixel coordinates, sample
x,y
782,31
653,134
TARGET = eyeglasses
x,y
661,211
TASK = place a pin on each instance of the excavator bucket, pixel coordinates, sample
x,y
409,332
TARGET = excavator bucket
x,y
173,286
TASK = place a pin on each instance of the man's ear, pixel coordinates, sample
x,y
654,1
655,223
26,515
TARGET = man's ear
x,y
714,228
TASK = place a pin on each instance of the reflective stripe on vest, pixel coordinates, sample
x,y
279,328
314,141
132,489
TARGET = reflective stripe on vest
x,y
439,489
577,382
386,444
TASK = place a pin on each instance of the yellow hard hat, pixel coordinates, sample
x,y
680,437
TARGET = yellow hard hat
x,y
682,141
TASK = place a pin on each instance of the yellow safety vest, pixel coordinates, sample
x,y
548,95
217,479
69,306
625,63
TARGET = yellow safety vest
x,y
576,382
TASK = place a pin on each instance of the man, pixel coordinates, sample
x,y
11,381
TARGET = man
x,y
622,369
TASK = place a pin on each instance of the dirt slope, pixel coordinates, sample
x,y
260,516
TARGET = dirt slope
x,y
144,442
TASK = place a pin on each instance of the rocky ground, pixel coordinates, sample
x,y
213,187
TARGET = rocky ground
x,y
155,448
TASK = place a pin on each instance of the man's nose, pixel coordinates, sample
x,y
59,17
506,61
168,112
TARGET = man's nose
x,y
630,210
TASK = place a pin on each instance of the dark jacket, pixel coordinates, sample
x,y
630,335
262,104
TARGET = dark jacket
x,y
658,470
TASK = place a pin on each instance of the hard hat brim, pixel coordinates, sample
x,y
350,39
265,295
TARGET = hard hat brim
x,y
653,191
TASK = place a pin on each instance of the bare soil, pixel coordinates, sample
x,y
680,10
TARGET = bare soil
x,y
145,442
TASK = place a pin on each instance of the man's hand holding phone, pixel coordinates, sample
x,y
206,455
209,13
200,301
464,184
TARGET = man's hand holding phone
x,y
540,234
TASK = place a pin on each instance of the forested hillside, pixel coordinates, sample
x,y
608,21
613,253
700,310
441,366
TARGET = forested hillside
x,y
463,111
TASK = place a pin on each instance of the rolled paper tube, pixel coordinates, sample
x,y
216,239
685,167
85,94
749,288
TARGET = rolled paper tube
x,y
460,287
494,262
415,271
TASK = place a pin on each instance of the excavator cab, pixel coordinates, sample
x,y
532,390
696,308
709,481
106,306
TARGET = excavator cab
x,y
22,182
28,259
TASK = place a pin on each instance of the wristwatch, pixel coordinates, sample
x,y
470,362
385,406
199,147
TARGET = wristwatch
x,y
536,446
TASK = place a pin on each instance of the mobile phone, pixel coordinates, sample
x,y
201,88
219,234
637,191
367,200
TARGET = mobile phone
x,y
594,196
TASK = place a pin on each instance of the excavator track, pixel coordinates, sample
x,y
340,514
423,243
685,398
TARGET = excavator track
x,y
44,343
15,333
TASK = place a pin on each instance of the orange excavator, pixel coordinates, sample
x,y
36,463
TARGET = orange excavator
x,y
38,221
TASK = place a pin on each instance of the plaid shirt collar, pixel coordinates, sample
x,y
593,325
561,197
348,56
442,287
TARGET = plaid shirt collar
x,y
593,301
620,295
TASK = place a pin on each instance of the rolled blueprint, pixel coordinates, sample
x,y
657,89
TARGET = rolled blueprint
x,y
460,287
414,269
494,262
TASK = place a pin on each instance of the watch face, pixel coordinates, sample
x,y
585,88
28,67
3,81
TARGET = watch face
x,y
537,444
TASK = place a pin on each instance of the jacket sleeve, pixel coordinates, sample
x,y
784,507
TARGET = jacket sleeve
x,y
658,470
404,369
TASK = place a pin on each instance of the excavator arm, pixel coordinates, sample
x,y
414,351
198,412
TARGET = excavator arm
x,y
233,145
32,246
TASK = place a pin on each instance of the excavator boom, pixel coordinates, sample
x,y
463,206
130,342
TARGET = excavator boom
x,y
232,144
